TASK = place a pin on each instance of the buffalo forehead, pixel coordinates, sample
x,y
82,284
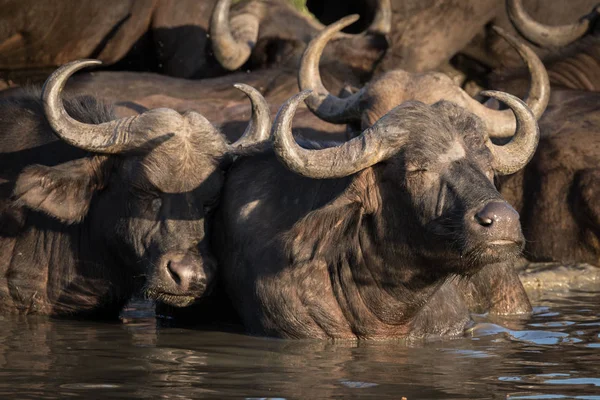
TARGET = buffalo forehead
x,y
455,152
179,174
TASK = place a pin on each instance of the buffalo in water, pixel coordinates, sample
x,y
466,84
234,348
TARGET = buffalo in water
x,y
92,207
362,239
558,185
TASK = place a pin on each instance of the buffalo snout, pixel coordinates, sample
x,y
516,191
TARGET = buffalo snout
x,y
181,273
499,222
179,279
493,234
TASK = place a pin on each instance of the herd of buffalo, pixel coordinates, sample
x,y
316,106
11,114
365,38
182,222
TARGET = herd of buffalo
x,y
397,190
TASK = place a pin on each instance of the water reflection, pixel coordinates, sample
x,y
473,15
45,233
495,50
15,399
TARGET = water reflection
x,y
553,354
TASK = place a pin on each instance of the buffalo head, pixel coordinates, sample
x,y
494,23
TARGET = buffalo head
x,y
398,86
146,189
430,170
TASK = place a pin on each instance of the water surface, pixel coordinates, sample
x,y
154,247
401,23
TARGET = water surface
x,y
553,354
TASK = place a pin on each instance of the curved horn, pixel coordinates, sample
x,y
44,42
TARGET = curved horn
x,y
357,154
382,21
544,35
260,124
233,44
109,137
324,105
514,155
502,123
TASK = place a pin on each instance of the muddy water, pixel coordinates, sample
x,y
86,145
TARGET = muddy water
x,y
553,354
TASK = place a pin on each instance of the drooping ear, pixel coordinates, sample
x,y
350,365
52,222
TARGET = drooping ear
x,y
64,191
331,228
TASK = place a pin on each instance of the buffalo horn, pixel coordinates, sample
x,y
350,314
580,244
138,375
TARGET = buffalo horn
x,y
372,146
260,123
514,155
502,123
326,106
232,42
544,35
109,137
382,21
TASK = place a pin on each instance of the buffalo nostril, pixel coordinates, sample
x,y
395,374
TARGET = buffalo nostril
x,y
484,220
173,272
498,213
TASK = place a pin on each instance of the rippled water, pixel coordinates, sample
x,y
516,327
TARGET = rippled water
x,y
554,354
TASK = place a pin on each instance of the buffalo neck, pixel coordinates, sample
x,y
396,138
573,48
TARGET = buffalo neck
x,y
381,285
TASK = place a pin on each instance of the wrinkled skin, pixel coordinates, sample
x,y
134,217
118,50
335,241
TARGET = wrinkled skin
x,y
557,193
372,255
577,67
80,232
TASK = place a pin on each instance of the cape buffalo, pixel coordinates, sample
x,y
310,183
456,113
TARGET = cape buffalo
x,y
426,35
91,206
361,240
395,87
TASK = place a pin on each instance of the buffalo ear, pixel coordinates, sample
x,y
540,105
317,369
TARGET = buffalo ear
x,y
64,191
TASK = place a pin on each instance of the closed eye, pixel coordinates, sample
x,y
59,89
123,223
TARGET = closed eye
x,y
416,170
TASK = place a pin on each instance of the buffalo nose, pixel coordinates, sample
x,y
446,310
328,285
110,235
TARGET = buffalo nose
x,y
181,273
500,220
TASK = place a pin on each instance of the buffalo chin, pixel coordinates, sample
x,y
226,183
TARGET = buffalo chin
x,y
490,253
171,299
